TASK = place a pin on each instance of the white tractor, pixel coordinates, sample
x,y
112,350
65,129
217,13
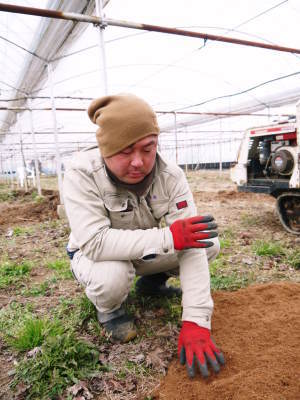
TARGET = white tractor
x,y
269,162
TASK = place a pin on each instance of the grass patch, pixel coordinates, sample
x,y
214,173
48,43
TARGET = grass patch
x,y
7,194
62,361
226,238
33,333
268,249
20,230
61,268
62,358
12,273
228,282
220,279
41,289
293,259
36,197
79,314
13,317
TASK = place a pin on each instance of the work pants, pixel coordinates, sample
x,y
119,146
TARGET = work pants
x,y
107,283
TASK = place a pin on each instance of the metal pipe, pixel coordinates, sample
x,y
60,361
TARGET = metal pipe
x,y
22,157
158,112
99,12
36,161
55,131
134,25
176,138
41,109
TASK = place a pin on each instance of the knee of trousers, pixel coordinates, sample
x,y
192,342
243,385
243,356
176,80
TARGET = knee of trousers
x,y
109,284
213,251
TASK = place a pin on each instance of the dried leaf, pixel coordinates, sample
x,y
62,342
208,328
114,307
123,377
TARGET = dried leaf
x,y
79,391
247,261
22,391
156,359
138,359
33,353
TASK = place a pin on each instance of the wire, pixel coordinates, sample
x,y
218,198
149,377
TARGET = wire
x,y
260,14
238,93
23,48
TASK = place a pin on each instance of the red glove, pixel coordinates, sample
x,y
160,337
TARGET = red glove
x,y
186,232
196,344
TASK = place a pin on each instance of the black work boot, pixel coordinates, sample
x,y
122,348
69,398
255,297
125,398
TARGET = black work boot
x,y
155,285
120,328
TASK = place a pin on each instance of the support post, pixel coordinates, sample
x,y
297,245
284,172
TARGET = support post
x,y
99,12
58,158
220,149
36,160
22,154
176,139
11,170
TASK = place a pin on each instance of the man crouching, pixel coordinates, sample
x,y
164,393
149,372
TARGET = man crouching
x,y
115,200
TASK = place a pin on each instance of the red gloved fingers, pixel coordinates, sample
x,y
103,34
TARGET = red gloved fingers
x,y
190,361
203,244
217,352
204,235
202,364
202,227
200,218
181,354
211,359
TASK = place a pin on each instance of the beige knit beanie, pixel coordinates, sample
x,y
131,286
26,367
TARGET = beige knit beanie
x,y
123,120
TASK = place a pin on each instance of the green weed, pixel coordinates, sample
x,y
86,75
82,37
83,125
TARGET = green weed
x,y
220,279
230,282
36,197
217,264
20,230
37,290
293,258
269,249
13,316
33,333
12,273
62,361
61,268
8,195
78,314
226,238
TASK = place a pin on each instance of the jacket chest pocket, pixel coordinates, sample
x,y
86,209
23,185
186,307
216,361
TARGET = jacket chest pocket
x,y
120,211
159,208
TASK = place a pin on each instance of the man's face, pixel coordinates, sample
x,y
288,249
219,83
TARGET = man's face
x,y
132,164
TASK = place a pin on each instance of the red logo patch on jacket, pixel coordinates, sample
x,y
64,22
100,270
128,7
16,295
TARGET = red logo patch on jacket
x,y
181,204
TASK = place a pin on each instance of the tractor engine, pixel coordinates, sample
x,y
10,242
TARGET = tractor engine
x,y
269,162
277,159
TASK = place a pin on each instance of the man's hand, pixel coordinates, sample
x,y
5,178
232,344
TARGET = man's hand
x,y
195,346
189,233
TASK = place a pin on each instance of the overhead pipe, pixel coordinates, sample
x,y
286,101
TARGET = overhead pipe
x,y
40,12
232,114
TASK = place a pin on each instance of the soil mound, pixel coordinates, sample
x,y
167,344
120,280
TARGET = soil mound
x,y
25,209
258,329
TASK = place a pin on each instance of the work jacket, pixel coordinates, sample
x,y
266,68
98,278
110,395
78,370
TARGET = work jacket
x,y
112,223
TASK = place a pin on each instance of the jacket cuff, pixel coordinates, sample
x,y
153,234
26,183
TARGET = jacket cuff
x,y
203,320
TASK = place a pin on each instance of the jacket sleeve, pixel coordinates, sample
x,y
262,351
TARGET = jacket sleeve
x,y
91,226
194,274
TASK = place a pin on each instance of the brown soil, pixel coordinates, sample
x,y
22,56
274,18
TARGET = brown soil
x,y
24,209
258,329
